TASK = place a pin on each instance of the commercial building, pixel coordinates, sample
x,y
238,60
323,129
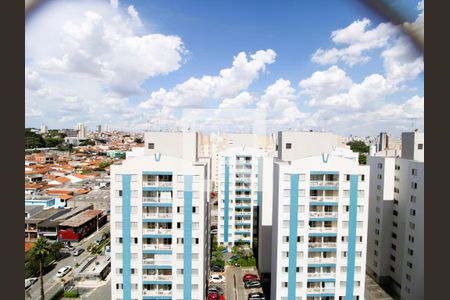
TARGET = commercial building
x,y
81,225
319,229
159,221
81,127
395,252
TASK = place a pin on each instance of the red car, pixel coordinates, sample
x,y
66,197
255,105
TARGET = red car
x,y
213,296
248,277
222,297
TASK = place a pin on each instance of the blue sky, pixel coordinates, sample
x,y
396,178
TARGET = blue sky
x,y
87,68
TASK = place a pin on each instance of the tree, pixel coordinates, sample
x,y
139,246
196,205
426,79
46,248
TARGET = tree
x,y
104,163
362,159
87,142
53,141
358,146
33,140
138,140
39,253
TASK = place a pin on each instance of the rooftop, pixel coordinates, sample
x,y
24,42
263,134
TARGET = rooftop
x,y
82,218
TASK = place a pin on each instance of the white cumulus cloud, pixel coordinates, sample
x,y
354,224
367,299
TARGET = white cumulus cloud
x,y
195,92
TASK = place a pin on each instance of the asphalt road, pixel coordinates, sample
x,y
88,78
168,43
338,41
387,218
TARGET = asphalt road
x,y
53,283
101,293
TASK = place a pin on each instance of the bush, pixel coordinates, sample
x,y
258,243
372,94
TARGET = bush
x,y
218,262
71,294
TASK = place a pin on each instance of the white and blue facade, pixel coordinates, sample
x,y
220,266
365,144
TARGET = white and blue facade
x,y
240,194
159,232
319,231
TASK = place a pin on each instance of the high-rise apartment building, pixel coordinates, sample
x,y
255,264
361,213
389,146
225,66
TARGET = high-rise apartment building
x,y
319,229
44,129
395,252
81,127
159,221
240,193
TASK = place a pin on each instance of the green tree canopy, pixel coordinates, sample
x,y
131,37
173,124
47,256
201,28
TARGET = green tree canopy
x,y
87,142
358,146
33,140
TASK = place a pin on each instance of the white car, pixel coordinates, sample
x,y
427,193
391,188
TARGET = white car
x,y
63,271
214,231
216,278
30,281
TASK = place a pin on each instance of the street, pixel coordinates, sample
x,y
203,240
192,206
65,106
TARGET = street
x,y
53,283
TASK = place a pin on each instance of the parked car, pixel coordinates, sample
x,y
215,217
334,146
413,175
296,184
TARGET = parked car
x,y
98,242
217,269
251,277
252,284
213,296
214,231
78,251
256,296
216,278
233,258
63,271
215,289
30,281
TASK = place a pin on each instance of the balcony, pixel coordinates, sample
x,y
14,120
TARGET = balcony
x,y
157,183
322,245
319,290
157,277
321,275
323,214
324,198
322,260
157,215
156,231
157,292
322,229
157,261
324,183
157,246
156,200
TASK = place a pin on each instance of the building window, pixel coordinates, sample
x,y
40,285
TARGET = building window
x,y
288,145
394,247
397,167
395,201
347,177
151,146
411,238
118,193
377,220
394,224
395,213
420,146
286,239
414,185
375,252
392,257
409,264
412,212
408,277
413,199
180,241
379,176
392,269
394,235
376,242
285,269
396,190
194,209
414,172
362,177
410,251
377,209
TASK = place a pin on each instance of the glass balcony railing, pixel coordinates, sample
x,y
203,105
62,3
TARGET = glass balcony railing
x,y
323,214
322,245
157,215
324,198
157,183
324,183
156,246
157,292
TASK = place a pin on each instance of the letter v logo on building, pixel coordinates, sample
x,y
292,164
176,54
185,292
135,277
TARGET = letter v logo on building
x,y
325,157
157,156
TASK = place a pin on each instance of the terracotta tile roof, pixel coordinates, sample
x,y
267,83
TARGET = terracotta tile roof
x,y
65,197
33,186
62,179
28,246
82,218
83,191
59,192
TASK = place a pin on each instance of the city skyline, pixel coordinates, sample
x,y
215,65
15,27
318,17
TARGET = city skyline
x,y
353,73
